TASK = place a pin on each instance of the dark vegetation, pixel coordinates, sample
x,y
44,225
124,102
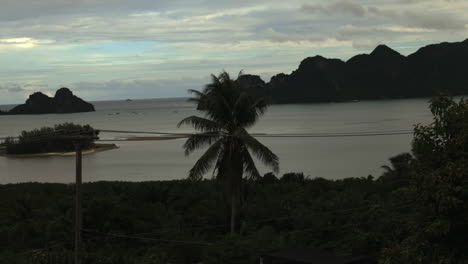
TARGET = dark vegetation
x,y
63,102
49,139
382,74
414,213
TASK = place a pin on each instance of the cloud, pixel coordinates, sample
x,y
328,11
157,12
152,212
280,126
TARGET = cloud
x,y
382,12
11,87
283,37
23,43
151,42
439,21
140,88
340,7
350,31
430,19
23,87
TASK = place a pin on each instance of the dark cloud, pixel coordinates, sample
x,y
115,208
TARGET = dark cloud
x,y
439,21
16,90
381,12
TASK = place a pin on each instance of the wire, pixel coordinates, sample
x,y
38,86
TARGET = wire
x,y
147,238
264,135
49,136
142,132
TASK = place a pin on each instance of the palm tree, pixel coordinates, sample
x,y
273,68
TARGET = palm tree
x,y
228,113
398,173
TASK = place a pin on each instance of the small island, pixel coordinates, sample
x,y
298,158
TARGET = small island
x,y
52,141
63,102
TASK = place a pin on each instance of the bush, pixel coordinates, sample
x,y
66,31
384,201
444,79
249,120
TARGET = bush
x,y
49,139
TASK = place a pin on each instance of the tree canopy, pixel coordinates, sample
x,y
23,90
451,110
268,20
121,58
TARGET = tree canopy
x,y
49,139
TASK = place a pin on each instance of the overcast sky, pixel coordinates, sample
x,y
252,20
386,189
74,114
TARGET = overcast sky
x,y
117,49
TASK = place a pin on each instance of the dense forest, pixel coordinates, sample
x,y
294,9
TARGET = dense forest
x,y
382,74
415,212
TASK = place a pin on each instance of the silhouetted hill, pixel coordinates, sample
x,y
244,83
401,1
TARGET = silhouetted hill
x,y
382,74
63,102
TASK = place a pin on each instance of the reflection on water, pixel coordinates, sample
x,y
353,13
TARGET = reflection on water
x,y
332,158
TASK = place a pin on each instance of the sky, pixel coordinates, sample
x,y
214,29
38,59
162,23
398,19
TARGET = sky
x,y
118,49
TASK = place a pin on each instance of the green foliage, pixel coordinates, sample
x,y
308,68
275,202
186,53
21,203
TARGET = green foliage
x,y
293,177
439,186
48,139
231,250
268,178
315,212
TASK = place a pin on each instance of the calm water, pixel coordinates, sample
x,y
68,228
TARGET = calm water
x,y
332,158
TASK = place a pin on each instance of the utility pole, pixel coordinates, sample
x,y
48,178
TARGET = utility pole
x,y
78,143
78,216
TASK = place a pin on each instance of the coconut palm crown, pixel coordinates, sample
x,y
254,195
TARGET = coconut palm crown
x,y
228,113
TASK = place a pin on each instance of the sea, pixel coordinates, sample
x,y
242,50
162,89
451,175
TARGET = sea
x,y
330,157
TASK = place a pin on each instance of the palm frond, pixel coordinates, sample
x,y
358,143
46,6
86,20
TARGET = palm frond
x,y
217,108
244,114
197,96
206,161
218,171
261,105
195,92
264,154
247,110
387,168
200,124
198,141
250,170
241,72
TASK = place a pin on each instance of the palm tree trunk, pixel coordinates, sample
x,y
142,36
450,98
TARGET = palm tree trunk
x,y
234,212
236,181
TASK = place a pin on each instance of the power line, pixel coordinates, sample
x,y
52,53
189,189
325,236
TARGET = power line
x,y
49,136
143,132
146,238
264,135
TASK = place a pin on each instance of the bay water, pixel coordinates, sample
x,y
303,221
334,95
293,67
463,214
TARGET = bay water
x,y
327,157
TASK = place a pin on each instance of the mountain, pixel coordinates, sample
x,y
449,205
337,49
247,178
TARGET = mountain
x,y
382,74
63,102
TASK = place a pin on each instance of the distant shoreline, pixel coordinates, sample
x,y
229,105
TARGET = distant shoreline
x,y
6,107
